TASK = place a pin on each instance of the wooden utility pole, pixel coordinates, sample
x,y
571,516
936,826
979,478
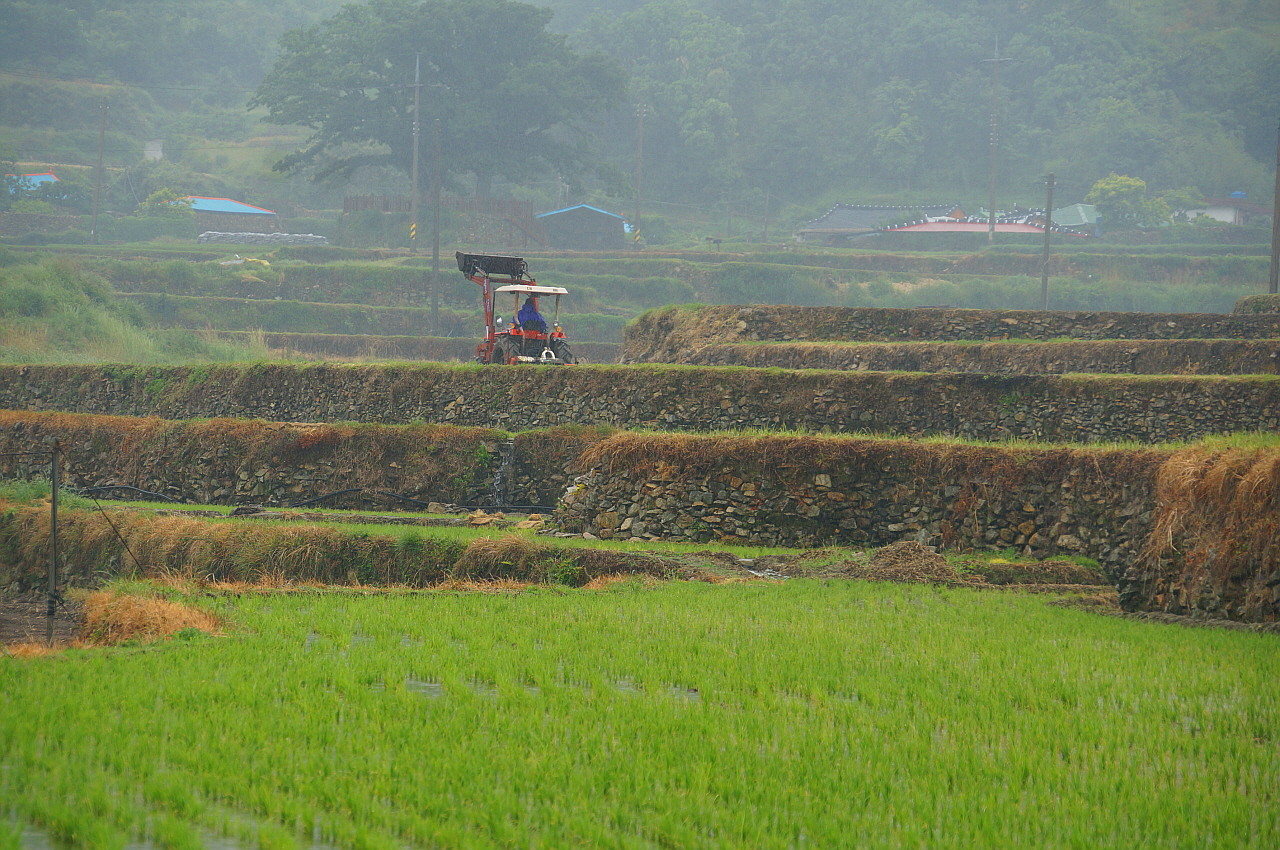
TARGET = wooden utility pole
x,y
413,194
1275,225
52,608
1044,264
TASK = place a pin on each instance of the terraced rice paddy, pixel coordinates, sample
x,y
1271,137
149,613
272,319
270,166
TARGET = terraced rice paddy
x,y
765,714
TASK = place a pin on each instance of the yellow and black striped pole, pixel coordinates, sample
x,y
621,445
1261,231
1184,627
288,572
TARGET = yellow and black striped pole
x,y
413,233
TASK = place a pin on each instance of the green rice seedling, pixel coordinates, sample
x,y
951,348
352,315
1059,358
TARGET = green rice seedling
x,y
761,715
171,833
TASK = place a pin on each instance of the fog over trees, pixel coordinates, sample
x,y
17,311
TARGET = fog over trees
x,y
810,101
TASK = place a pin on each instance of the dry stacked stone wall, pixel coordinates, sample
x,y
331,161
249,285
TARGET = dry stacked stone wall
x,y
1041,502
980,407
1122,357
1113,506
235,462
438,349
675,334
20,224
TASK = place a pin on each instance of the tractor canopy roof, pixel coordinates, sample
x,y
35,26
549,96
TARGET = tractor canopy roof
x,y
493,264
533,290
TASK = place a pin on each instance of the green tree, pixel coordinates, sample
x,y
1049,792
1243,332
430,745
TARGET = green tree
x,y
1181,200
1123,201
898,140
686,67
511,97
164,203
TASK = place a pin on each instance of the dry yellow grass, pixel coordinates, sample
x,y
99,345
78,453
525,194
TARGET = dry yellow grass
x,y
487,555
497,585
601,582
1218,518
111,618
35,649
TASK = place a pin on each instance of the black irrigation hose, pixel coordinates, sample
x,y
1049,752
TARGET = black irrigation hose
x,y
414,501
327,496
107,488
409,499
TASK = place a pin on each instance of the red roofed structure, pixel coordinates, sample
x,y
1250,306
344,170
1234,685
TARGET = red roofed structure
x,y
974,227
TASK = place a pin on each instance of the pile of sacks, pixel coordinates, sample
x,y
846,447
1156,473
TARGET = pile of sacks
x,y
263,238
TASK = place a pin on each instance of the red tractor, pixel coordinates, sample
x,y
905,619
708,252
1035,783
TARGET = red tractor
x,y
527,338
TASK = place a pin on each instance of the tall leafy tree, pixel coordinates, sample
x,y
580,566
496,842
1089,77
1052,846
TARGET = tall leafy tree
x,y
1123,200
686,67
512,98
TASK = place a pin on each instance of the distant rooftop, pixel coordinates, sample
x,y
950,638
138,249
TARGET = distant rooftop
x,y
30,181
578,207
225,205
1076,215
974,225
858,218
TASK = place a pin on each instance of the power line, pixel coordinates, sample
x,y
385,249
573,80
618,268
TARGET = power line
x,y
227,147
118,84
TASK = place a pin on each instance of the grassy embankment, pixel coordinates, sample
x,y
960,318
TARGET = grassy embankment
x,y
692,715
1209,492
339,291
52,311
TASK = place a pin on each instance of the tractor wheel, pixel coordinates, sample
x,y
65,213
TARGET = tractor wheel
x,y
500,355
563,351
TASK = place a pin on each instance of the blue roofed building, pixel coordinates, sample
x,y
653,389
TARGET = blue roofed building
x,y
228,216
31,181
583,228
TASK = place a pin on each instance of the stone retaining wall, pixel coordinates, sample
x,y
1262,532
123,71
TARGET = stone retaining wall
x,y
874,492
232,462
674,334
20,224
676,398
439,349
1120,357
236,461
1113,506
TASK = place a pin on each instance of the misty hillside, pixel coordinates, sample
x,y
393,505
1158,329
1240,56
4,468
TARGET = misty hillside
x,y
793,104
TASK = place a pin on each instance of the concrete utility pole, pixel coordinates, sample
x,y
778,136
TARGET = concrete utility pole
x,y
97,189
995,139
1044,265
413,194
435,234
1275,225
640,110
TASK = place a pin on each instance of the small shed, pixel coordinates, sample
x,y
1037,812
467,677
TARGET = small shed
x,y
228,216
584,228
